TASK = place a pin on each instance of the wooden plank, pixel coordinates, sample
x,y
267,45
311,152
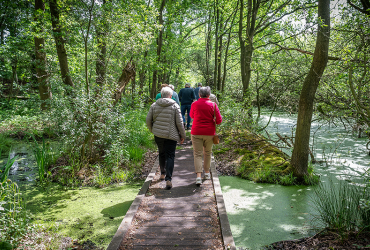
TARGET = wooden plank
x,y
227,236
127,220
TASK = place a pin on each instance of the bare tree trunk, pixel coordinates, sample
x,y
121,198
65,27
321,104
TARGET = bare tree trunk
x,y
208,53
59,42
300,153
14,77
133,86
40,62
225,62
159,49
127,74
215,73
101,31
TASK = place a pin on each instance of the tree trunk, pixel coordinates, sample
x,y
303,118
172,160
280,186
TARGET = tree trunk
x,y
14,77
300,153
215,73
159,49
127,74
40,62
208,38
101,31
59,42
133,86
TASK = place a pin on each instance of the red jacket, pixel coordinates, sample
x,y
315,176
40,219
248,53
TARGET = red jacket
x,y
202,111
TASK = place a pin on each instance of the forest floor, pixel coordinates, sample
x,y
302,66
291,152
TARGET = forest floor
x,y
326,240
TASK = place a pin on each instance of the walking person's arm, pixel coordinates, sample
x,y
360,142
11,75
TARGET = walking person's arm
x,y
149,119
180,124
218,115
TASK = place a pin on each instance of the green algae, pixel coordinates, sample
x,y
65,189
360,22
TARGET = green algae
x,y
83,214
260,214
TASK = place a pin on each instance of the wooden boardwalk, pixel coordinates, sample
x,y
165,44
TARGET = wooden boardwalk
x,y
185,217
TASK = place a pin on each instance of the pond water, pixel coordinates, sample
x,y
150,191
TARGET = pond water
x,y
261,214
24,168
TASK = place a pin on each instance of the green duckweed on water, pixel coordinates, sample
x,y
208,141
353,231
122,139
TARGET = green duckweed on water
x,y
260,214
83,214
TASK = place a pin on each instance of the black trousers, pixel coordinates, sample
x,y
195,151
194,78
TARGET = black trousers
x,y
166,149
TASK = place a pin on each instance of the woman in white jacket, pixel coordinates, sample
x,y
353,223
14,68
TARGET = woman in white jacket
x,y
164,120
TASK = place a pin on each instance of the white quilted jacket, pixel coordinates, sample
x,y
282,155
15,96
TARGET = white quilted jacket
x,y
164,120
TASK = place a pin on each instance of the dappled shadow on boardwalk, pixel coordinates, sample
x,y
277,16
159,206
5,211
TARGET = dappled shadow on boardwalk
x,y
184,217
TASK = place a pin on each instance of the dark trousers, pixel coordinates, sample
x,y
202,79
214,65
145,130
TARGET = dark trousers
x,y
166,149
185,108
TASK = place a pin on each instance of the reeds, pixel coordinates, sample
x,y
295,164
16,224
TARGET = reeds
x,y
338,205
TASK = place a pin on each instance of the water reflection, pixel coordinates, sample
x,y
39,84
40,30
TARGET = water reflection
x,y
24,168
261,214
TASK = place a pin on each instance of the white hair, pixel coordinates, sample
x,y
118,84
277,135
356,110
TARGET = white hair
x,y
166,92
171,86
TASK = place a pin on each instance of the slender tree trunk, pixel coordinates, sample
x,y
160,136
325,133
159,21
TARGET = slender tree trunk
x,y
219,66
225,62
300,153
14,77
159,49
59,42
133,86
215,73
208,38
177,75
101,31
40,62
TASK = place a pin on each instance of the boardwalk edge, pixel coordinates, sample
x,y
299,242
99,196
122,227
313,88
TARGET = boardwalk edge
x,y
227,236
127,220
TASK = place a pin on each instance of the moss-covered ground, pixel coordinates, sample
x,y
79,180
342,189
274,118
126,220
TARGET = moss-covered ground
x,y
252,157
83,214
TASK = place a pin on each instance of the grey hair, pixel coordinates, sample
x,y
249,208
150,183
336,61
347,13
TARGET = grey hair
x,y
171,86
204,92
166,92
199,84
187,84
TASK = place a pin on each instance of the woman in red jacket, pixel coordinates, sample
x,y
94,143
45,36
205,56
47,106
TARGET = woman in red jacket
x,y
203,112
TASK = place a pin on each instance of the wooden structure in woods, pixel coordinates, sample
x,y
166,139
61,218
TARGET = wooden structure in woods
x,y
185,217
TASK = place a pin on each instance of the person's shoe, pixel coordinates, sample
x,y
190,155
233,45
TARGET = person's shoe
x,y
162,177
207,176
168,184
198,181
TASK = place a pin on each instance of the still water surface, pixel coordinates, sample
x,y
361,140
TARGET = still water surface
x,y
261,214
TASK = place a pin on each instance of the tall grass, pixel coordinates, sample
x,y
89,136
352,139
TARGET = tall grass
x,y
13,221
44,157
339,208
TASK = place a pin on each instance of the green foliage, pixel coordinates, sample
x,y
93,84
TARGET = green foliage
x,y
5,143
45,156
339,206
13,220
287,180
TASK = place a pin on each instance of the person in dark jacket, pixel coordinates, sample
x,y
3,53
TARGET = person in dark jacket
x,y
186,96
196,91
